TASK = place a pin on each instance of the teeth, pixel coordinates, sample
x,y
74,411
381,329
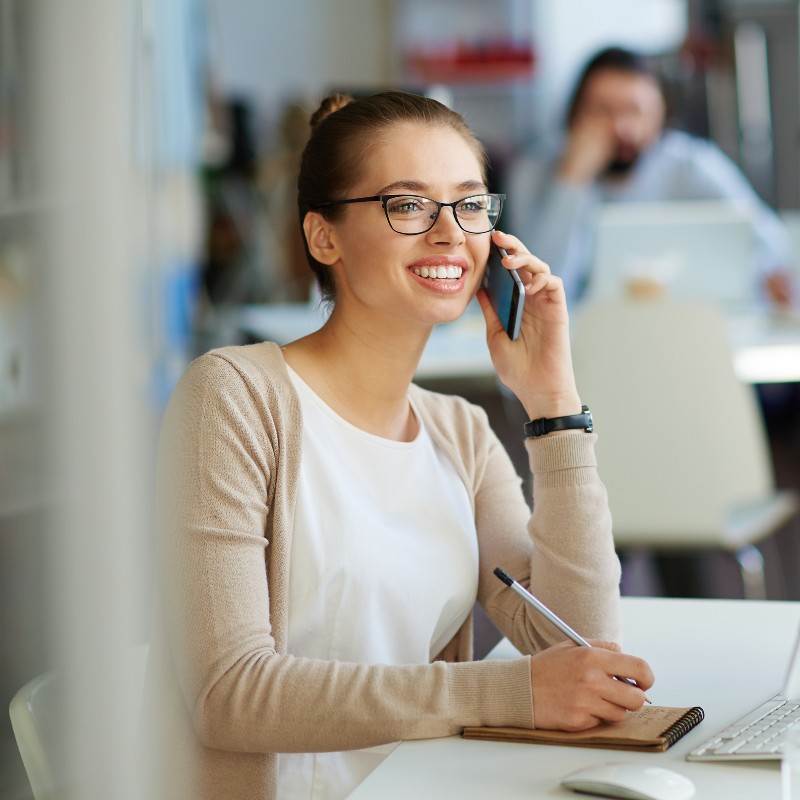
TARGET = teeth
x,y
438,272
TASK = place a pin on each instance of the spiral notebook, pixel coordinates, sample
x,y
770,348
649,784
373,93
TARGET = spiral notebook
x,y
650,729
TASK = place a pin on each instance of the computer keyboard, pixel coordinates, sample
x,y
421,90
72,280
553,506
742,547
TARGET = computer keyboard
x,y
759,735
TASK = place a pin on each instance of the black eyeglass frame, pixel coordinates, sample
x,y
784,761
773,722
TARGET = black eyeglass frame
x,y
383,199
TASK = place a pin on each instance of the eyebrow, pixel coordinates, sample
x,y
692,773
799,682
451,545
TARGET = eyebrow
x,y
419,187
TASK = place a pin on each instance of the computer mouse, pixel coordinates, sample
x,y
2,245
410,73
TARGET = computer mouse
x,y
630,781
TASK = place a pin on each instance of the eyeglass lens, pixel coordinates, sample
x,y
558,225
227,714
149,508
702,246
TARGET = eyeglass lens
x,y
413,214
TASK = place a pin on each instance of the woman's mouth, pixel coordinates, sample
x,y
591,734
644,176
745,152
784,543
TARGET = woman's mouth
x,y
440,272
444,274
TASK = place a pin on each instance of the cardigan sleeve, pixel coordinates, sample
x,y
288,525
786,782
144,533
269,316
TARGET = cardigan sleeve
x,y
220,456
563,552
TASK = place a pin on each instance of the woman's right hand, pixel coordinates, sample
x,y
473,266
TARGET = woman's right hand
x,y
574,687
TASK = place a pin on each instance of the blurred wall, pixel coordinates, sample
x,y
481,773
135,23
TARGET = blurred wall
x,y
270,51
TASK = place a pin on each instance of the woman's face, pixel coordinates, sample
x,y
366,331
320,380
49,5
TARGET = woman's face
x,y
378,269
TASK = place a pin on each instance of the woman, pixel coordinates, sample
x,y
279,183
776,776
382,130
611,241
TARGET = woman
x,y
331,525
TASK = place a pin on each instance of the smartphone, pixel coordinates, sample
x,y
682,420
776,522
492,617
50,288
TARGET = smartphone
x,y
505,290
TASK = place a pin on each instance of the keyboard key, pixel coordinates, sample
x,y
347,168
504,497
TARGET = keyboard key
x,y
734,730
758,734
732,745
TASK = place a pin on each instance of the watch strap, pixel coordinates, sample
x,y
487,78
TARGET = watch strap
x,y
543,426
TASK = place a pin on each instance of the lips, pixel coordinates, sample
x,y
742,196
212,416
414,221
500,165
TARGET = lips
x,y
443,275
441,267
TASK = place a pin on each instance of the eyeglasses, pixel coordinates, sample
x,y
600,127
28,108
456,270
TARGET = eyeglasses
x,y
411,214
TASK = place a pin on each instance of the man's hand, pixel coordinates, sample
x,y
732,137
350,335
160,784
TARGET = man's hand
x,y
779,288
590,147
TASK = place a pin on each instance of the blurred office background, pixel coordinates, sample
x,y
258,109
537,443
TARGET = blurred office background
x,y
147,158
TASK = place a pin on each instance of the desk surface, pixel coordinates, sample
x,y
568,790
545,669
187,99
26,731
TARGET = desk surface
x,y
766,349
723,655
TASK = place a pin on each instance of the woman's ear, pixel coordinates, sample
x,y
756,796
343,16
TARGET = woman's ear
x,y
320,238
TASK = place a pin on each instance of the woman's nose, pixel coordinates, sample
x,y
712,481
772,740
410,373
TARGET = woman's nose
x,y
446,228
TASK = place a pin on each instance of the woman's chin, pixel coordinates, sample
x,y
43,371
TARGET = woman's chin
x,y
450,313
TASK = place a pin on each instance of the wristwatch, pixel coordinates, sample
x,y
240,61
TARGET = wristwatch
x,y
543,426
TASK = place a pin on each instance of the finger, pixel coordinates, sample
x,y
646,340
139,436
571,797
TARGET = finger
x,y
517,252
519,257
615,646
551,285
597,710
622,694
525,261
626,666
493,323
623,665
508,242
539,282
607,711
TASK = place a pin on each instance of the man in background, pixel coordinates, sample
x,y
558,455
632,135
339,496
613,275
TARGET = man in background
x,y
616,149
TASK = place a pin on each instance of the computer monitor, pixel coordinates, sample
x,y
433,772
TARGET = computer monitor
x,y
791,686
698,250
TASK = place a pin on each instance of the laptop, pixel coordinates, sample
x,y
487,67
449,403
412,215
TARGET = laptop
x,y
697,250
760,734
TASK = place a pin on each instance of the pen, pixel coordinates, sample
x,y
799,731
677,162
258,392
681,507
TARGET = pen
x,y
549,615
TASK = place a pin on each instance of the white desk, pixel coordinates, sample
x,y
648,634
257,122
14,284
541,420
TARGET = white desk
x,y
766,348
723,655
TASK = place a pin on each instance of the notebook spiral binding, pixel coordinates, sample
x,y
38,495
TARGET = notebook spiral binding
x,y
694,716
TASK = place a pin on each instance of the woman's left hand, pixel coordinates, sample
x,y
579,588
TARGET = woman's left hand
x,y
537,367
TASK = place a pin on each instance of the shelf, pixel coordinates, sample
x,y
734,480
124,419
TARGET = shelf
x,y
466,71
494,62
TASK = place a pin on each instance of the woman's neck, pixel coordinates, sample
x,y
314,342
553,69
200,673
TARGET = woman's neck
x,y
363,374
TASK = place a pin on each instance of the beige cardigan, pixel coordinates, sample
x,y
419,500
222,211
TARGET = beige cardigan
x,y
227,694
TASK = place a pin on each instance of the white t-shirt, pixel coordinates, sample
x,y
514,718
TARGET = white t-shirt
x,y
384,566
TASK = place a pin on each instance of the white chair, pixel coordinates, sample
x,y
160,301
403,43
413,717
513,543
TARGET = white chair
x,y
682,446
31,712
36,718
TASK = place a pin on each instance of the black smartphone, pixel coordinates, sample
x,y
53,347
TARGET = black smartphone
x,y
505,291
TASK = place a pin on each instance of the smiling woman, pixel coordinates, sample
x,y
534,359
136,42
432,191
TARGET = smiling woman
x,y
369,224
329,526
342,143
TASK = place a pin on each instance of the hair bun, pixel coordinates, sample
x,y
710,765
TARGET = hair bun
x,y
331,104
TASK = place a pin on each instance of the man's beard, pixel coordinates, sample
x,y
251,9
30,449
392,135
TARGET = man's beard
x,y
626,154
619,167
